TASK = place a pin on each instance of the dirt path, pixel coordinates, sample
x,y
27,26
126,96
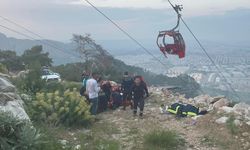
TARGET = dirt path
x,y
132,129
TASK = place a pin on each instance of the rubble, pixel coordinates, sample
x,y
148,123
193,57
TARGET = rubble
x,y
220,103
222,120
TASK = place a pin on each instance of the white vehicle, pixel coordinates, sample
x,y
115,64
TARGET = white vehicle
x,y
49,75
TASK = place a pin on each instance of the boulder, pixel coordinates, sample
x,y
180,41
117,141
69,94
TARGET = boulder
x,y
10,101
222,120
241,109
220,103
6,86
227,109
215,99
248,123
237,122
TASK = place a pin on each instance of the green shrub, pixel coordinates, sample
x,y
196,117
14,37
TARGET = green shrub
x,y
31,83
107,145
231,125
17,134
61,86
3,68
67,108
163,140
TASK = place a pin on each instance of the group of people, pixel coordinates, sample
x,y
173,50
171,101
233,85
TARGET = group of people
x,y
103,94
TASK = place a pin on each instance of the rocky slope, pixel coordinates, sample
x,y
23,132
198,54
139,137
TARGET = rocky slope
x,y
10,101
208,132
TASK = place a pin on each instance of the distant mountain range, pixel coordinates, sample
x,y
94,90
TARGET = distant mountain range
x,y
63,53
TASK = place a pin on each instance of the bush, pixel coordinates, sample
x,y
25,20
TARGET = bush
x,y
231,125
17,134
163,140
3,68
31,83
67,108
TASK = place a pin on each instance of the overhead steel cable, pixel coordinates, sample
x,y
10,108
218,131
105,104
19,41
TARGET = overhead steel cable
x,y
30,37
213,62
125,32
211,59
131,37
205,52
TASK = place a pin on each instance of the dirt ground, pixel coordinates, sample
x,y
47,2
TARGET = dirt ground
x,y
200,134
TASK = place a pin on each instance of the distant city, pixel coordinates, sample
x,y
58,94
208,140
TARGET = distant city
x,y
236,69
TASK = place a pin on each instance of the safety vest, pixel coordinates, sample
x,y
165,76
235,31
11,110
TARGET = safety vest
x,y
183,110
175,108
190,110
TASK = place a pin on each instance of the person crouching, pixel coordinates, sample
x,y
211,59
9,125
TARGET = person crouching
x,y
139,91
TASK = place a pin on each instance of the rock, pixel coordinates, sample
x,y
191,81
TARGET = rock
x,y
241,109
222,120
215,99
248,123
222,102
227,109
77,147
237,122
10,101
63,142
245,134
6,86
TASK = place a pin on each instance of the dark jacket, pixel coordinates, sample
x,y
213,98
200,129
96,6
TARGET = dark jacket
x,y
139,91
126,85
183,110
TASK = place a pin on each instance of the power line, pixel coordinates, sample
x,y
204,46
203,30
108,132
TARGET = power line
x,y
30,37
211,59
26,29
131,37
125,32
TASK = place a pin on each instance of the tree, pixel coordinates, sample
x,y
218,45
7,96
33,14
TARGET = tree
x,y
36,56
92,53
11,60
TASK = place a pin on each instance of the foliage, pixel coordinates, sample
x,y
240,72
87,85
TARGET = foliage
x,y
32,56
107,145
11,60
231,125
61,86
114,72
36,56
163,140
92,52
3,68
67,108
30,83
18,134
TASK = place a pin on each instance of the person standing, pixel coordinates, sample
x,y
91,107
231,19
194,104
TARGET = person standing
x,y
126,85
139,91
92,90
85,77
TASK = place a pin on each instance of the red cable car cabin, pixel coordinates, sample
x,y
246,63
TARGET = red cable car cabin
x,y
177,48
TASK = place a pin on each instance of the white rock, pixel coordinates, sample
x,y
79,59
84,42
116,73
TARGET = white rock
x,y
222,102
222,120
77,147
16,108
248,123
10,101
63,142
227,109
241,108
237,122
245,134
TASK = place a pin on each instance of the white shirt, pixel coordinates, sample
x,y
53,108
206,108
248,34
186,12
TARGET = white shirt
x,y
92,88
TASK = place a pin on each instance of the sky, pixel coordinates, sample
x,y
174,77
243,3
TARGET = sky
x,y
215,20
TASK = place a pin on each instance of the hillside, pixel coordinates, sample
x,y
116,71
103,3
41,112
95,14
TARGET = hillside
x,y
118,129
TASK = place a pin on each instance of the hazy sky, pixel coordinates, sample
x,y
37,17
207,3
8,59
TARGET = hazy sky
x,y
58,19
